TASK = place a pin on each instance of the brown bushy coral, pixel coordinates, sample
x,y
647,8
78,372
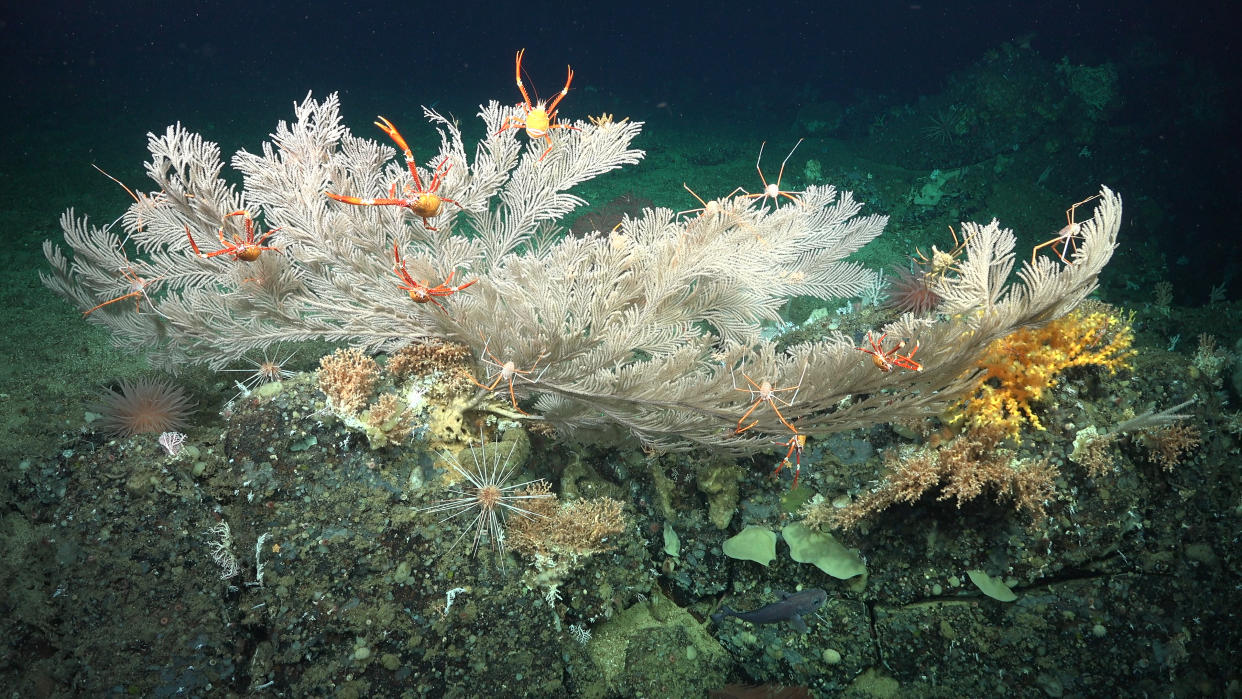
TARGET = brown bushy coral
x,y
1168,445
423,358
962,469
578,527
347,377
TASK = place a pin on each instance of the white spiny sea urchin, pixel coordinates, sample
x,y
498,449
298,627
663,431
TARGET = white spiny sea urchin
x,y
485,493
263,371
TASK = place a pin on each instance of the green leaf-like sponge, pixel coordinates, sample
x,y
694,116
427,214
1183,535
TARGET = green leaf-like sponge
x,y
807,546
990,586
752,544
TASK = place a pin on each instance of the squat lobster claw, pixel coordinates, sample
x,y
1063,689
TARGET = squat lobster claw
x,y
421,293
540,118
245,249
425,203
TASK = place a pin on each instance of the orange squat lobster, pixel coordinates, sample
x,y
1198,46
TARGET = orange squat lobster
x,y
885,360
765,393
246,249
796,444
508,372
772,190
540,118
425,203
421,293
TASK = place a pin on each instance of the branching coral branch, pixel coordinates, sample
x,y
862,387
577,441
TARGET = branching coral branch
x,y
640,329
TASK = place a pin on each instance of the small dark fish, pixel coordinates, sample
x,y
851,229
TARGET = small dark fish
x,y
790,608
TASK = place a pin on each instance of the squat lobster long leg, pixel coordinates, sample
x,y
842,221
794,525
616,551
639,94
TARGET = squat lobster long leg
x,y
509,372
796,444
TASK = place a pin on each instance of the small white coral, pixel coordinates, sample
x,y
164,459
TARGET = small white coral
x,y
581,634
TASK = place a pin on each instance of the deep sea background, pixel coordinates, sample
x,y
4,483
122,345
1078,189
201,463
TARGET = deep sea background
x,y
83,83
878,89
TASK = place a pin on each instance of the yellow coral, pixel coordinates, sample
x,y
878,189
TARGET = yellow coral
x,y
1020,367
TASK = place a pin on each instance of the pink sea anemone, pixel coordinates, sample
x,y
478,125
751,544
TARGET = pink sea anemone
x,y
145,405
910,292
